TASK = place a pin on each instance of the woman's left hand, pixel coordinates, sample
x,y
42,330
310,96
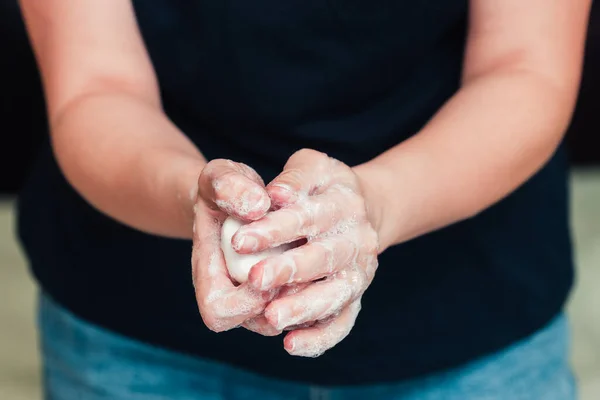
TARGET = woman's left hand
x,y
321,200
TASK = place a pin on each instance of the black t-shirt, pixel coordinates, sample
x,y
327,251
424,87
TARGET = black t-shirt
x,y
255,81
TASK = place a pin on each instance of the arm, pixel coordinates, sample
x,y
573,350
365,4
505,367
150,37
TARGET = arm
x,y
110,136
520,83
118,149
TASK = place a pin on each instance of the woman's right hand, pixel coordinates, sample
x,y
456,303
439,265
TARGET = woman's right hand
x,y
225,188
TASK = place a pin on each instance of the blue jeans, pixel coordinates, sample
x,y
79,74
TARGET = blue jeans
x,y
83,361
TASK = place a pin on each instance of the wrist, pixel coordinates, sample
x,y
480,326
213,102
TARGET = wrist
x,y
187,191
179,180
375,181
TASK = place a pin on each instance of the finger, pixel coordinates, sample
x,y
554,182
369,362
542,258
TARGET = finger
x,y
222,305
318,301
291,290
307,263
301,326
234,306
314,341
307,218
209,272
234,188
305,172
261,326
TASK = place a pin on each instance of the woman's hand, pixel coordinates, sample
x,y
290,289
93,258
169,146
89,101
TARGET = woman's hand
x,y
225,188
321,200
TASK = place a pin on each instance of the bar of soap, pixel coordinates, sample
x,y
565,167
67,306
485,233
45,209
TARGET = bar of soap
x,y
239,265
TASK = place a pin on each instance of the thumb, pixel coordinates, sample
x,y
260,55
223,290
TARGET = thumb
x,y
233,188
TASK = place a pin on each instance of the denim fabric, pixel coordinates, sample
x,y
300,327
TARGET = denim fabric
x,y
83,361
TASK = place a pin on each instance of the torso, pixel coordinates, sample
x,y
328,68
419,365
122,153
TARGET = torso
x,y
255,81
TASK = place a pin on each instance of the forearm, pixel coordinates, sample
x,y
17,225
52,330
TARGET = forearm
x,y
110,136
494,134
129,161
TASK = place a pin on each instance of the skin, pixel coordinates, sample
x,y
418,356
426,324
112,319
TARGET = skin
x,y
520,80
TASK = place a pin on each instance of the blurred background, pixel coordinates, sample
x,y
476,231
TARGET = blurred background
x,y
23,125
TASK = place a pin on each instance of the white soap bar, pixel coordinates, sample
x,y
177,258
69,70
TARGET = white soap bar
x,y
239,265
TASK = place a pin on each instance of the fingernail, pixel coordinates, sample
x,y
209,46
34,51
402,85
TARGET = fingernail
x,y
283,317
283,186
276,317
268,276
246,243
258,201
292,344
286,193
261,202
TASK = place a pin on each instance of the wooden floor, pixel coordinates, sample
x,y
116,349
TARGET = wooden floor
x,y
19,377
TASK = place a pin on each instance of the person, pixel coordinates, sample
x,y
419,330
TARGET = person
x,y
412,149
